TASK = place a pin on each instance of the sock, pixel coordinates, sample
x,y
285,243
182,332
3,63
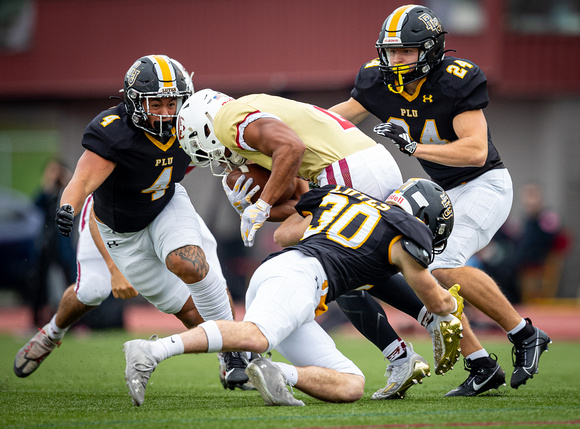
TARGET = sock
x,y
486,362
424,317
477,355
167,347
521,332
54,331
290,372
396,350
210,296
518,328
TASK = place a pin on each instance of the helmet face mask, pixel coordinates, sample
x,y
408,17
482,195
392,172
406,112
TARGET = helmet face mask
x,y
410,26
196,133
151,78
429,203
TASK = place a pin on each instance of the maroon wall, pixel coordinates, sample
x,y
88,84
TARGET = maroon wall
x,y
83,48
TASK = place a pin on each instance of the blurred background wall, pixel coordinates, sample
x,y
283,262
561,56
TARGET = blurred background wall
x,y
61,60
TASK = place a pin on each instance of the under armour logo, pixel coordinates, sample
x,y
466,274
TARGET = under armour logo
x,y
428,98
112,243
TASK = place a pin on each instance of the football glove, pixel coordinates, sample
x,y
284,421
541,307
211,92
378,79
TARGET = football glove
x,y
252,219
454,291
65,219
398,135
240,199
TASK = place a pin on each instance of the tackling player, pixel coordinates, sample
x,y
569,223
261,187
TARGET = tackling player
x,y
346,240
432,107
132,164
298,139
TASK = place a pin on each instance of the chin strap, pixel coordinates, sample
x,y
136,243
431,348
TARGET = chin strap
x,y
165,130
398,88
399,72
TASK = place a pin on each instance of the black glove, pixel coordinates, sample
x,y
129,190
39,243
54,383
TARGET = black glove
x,y
398,135
65,219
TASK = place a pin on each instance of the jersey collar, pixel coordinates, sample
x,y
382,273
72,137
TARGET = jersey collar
x,y
409,97
163,146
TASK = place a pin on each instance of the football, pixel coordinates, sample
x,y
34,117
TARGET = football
x,y
260,176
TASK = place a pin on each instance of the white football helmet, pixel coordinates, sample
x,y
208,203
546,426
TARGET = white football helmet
x,y
196,133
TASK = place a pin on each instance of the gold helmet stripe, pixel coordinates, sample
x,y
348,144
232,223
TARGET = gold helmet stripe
x,y
397,19
165,70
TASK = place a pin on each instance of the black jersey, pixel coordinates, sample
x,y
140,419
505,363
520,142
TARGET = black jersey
x,y
351,234
454,87
144,178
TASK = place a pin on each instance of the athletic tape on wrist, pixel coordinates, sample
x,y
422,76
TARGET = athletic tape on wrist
x,y
262,205
214,336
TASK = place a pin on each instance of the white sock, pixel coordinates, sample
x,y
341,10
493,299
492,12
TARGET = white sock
x,y
54,331
167,347
518,328
478,354
210,296
290,372
394,350
424,317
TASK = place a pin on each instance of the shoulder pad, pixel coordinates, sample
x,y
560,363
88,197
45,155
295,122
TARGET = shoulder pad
x,y
374,63
418,253
458,73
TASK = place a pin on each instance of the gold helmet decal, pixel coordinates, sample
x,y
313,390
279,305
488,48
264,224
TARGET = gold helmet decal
x,y
133,73
446,202
431,22
167,81
395,23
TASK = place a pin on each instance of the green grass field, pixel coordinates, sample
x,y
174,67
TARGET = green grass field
x,y
82,385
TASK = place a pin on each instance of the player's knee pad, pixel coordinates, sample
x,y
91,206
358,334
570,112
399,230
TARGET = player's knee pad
x,y
93,290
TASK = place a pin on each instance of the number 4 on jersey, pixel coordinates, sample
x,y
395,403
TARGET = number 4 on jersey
x,y
157,189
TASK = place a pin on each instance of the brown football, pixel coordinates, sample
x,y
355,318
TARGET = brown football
x,y
260,176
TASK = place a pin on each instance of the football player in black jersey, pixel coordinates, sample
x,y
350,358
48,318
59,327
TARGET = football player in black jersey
x,y
343,240
132,164
431,105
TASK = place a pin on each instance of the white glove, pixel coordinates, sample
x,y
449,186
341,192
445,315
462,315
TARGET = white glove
x,y
252,220
240,199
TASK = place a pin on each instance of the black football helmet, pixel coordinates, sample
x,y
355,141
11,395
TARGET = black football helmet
x,y
410,26
428,202
155,76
